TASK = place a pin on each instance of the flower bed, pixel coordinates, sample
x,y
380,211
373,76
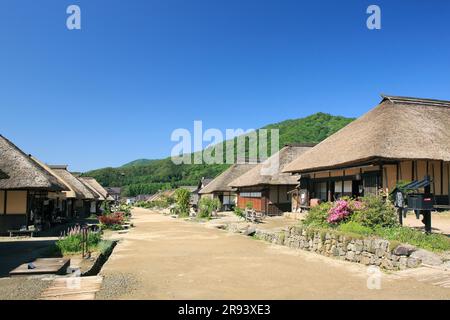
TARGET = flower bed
x,y
71,242
371,216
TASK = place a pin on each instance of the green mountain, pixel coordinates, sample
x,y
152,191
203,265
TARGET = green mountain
x,y
138,162
145,176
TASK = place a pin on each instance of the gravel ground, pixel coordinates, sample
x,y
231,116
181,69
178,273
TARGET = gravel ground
x,y
117,285
22,288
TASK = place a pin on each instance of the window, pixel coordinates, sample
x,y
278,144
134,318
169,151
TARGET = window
x,y
250,194
321,191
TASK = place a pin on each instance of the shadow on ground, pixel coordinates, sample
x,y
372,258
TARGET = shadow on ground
x,y
15,253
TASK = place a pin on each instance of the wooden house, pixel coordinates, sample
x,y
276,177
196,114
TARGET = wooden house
x,y
24,190
84,200
96,188
265,187
219,187
402,139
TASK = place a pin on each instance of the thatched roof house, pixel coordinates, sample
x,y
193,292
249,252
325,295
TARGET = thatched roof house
x,y
401,139
23,173
220,188
264,174
398,128
265,187
96,187
162,194
24,188
222,181
82,192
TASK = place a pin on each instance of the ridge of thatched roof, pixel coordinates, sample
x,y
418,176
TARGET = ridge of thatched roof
x,y
265,174
69,192
398,128
159,195
95,187
22,171
221,182
82,192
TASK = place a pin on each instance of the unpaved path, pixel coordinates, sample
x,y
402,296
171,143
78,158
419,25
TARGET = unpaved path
x,y
166,258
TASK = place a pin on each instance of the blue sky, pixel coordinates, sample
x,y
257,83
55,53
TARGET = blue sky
x,y
114,91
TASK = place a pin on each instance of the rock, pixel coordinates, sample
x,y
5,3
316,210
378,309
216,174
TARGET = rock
x,y
367,245
334,251
387,264
404,250
403,263
350,256
427,257
365,260
379,252
446,265
413,262
249,231
359,246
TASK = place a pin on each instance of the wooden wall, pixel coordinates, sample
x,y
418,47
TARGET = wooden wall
x,y
16,202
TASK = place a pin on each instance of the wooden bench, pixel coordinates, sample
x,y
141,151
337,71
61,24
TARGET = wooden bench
x,y
21,232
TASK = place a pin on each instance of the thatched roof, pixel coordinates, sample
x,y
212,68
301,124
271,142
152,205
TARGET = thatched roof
x,y
270,171
69,192
75,184
114,190
3,175
221,182
161,194
96,187
188,188
398,128
22,171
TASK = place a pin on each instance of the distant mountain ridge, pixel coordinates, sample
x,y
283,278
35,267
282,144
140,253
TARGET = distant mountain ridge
x,y
146,176
138,162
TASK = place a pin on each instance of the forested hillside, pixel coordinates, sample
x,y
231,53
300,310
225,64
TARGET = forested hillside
x,y
148,176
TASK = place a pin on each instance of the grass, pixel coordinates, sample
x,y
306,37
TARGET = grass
x,y
433,242
396,235
104,246
71,244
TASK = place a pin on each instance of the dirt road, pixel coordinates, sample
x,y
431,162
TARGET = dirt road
x,y
166,258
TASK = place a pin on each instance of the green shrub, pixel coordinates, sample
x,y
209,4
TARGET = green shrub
x,y
113,227
354,227
206,206
249,205
125,208
106,207
375,212
434,242
71,243
182,201
317,216
239,212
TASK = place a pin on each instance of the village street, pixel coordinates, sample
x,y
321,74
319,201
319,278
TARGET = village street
x,y
167,258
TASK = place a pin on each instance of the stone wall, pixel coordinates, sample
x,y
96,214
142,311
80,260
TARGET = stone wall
x,y
368,251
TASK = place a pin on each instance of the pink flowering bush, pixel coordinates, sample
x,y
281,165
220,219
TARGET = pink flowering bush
x,y
339,212
343,209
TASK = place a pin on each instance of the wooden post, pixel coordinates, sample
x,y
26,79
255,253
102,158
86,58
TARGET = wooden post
x,y
5,202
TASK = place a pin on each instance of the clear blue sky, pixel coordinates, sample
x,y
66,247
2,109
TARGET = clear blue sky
x,y
114,91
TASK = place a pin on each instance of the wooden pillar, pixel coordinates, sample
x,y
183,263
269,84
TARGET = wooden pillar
x,y
278,194
5,202
448,173
381,177
28,207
